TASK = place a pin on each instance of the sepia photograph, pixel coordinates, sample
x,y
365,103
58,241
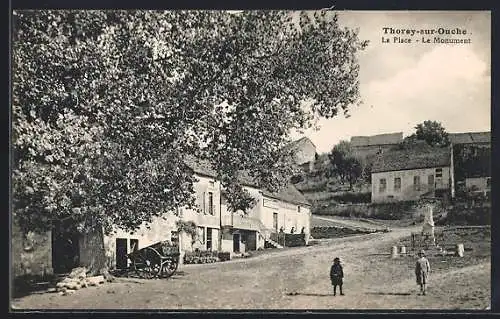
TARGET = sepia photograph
x,y
181,160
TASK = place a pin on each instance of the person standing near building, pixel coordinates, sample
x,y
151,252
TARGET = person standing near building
x,y
422,270
336,276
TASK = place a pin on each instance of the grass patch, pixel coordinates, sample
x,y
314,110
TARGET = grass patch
x,y
476,241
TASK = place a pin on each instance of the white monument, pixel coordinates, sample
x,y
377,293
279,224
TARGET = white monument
x,y
428,226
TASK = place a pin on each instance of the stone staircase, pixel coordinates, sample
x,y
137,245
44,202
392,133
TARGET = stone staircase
x,y
272,243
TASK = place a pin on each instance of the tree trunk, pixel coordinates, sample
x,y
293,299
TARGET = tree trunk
x,y
92,254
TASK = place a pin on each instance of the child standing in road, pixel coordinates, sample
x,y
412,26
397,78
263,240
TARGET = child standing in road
x,y
336,276
422,269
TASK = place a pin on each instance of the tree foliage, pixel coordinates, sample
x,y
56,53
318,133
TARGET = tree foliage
x,y
427,134
344,164
471,161
106,105
432,132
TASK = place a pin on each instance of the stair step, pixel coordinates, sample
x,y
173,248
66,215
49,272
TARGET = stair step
x,y
275,244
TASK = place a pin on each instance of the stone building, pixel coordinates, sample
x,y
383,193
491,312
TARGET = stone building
x,y
366,146
400,175
304,152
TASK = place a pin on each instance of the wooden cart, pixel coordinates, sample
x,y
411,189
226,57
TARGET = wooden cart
x,y
159,260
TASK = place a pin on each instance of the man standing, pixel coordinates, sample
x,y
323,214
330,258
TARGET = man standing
x,y
336,276
422,269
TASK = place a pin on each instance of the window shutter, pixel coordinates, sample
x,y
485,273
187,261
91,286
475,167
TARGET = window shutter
x,y
204,203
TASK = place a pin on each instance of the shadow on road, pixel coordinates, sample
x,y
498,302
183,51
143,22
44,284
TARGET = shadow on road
x,y
389,293
308,294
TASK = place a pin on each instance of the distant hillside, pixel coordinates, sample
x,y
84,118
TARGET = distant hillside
x,y
322,191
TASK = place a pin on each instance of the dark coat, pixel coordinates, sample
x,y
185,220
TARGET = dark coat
x,y
336,274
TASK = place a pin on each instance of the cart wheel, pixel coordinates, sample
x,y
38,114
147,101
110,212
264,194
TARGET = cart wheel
x,y
144,270
169,267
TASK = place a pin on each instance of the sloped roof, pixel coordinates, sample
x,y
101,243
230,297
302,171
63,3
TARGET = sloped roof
x,y
288,193
199,166
420,157
297,143
470,137
203,167
380,139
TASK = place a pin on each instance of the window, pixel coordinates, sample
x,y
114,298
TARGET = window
x,y
174,238
202,203
397,184
488,182
298,209
383,185
439,172
211,183
210,203
209,238
134,244
201,235
430,180
416,183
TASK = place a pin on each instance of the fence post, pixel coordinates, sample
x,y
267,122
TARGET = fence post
x,y
413,241
394,253
460,250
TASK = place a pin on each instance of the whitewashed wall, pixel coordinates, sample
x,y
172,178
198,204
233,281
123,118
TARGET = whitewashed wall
x,y
161,228
407,191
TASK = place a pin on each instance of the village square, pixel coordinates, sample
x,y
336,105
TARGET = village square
x,y
223,160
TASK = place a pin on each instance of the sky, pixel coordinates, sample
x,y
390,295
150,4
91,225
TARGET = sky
x,y
402,85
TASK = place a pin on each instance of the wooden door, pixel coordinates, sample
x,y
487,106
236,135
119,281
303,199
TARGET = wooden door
x,y
236,243
121,253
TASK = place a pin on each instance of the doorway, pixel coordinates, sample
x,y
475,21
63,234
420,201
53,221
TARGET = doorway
x,y
65,251
121,253
236,243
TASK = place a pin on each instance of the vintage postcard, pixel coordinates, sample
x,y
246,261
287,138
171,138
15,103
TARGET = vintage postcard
x,y
291,160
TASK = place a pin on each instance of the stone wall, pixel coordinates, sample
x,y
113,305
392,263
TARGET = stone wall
x,y
394,210
31,253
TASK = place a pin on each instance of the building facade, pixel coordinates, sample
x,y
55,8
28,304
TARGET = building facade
x,y
218,229
480,184
367,146
206,217
480,139
410,174
304,152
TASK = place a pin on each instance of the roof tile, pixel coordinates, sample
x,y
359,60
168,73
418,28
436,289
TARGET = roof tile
x,y
420,157
288,193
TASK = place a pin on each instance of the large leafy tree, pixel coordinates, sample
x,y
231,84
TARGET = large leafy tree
x,y
432,132
428,133
107,104
344,165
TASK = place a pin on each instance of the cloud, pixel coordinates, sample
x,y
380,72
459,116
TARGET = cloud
x,y
403,85
450,84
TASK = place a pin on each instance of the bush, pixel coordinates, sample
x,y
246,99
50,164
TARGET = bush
x,y
201,257
224,255
334,232
350,197
294,240
466,215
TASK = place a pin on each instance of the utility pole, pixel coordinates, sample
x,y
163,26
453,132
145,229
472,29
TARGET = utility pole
x,y
220,217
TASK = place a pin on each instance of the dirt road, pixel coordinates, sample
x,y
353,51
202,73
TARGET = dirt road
x,y
290,279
